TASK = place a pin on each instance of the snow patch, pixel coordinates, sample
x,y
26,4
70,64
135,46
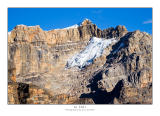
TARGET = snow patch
x,y
93,50
21,25
34,26
73,26
70,27
9,33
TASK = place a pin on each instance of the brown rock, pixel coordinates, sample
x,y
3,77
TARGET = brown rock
x,y
37,59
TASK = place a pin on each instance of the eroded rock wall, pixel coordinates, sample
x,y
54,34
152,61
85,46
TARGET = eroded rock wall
x,y
37,59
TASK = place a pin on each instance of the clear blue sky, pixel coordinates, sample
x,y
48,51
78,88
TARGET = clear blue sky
x,y
51,18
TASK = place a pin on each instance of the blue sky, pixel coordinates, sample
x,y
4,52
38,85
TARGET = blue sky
x,y
52,18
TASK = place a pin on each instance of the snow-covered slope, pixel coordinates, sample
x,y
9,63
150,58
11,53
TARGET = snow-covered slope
x,y
70,27
76,25
73,26
93,50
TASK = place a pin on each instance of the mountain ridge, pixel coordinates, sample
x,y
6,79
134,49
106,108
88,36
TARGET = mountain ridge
x,y
82,23
37,60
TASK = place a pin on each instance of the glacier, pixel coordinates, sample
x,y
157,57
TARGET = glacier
x,y
93,50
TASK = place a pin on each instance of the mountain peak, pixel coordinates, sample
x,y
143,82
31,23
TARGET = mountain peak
x,y
69,65
121,28
86,22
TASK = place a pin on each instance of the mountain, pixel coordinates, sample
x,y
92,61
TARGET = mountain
x,y
80,64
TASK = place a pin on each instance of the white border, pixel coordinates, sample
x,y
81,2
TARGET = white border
x,y
49,110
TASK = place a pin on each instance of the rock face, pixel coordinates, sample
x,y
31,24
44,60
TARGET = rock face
x,y
128,66
37,72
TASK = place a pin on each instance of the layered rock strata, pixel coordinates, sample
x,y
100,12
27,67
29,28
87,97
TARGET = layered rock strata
x,y
37,60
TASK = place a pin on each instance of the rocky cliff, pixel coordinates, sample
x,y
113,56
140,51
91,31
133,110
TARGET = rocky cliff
x,y
117,72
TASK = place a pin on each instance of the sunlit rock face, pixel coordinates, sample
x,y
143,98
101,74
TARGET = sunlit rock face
x,y
80,64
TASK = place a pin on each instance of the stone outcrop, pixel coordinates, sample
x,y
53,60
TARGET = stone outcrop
x,y
37,73
118,32
129,63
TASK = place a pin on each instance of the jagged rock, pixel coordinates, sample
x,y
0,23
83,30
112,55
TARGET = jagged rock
x,y
86,22
132,63
88,30
119,31
37,60
112,75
